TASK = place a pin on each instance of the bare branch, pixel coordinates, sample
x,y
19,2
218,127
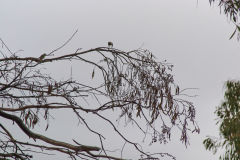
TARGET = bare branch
x,y
133,86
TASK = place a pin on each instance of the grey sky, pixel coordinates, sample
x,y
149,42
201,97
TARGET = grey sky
x,y
188,33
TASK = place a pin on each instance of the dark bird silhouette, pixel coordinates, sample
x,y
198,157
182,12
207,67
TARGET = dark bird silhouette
x,y
110,44
42,56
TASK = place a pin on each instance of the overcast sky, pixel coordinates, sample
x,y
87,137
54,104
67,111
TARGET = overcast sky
x,y
190,34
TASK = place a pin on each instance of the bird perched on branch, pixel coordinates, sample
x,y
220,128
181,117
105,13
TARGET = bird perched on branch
x,y
110,44
42,56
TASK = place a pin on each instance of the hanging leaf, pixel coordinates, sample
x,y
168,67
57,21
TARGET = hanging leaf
x,y
50,89
46,127
233,34
177,90
35,120
138,111
93,73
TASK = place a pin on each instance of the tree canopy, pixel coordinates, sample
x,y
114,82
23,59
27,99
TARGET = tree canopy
x,y
228,118
133,85
231,10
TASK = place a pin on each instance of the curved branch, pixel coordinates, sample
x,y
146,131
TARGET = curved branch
x,y
46,139
4,155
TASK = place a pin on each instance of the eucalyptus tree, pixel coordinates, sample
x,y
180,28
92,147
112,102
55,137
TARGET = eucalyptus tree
x,y
132,86
228,118
231,10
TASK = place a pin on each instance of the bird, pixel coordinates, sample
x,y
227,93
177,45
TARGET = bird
x,y
42,56
110,44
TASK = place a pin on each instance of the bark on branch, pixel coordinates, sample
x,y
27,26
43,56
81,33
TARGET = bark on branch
x,y
46,139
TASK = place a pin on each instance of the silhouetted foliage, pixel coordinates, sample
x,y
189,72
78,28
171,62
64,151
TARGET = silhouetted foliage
x,y
231,10
228,117
134,85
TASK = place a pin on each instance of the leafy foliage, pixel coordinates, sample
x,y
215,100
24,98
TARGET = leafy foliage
x,y
229,119
231,10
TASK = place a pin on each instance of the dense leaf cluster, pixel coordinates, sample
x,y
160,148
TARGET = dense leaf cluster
x,y
229,120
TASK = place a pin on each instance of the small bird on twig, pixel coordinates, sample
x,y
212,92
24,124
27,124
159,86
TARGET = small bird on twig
x,y
110,44
42,56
